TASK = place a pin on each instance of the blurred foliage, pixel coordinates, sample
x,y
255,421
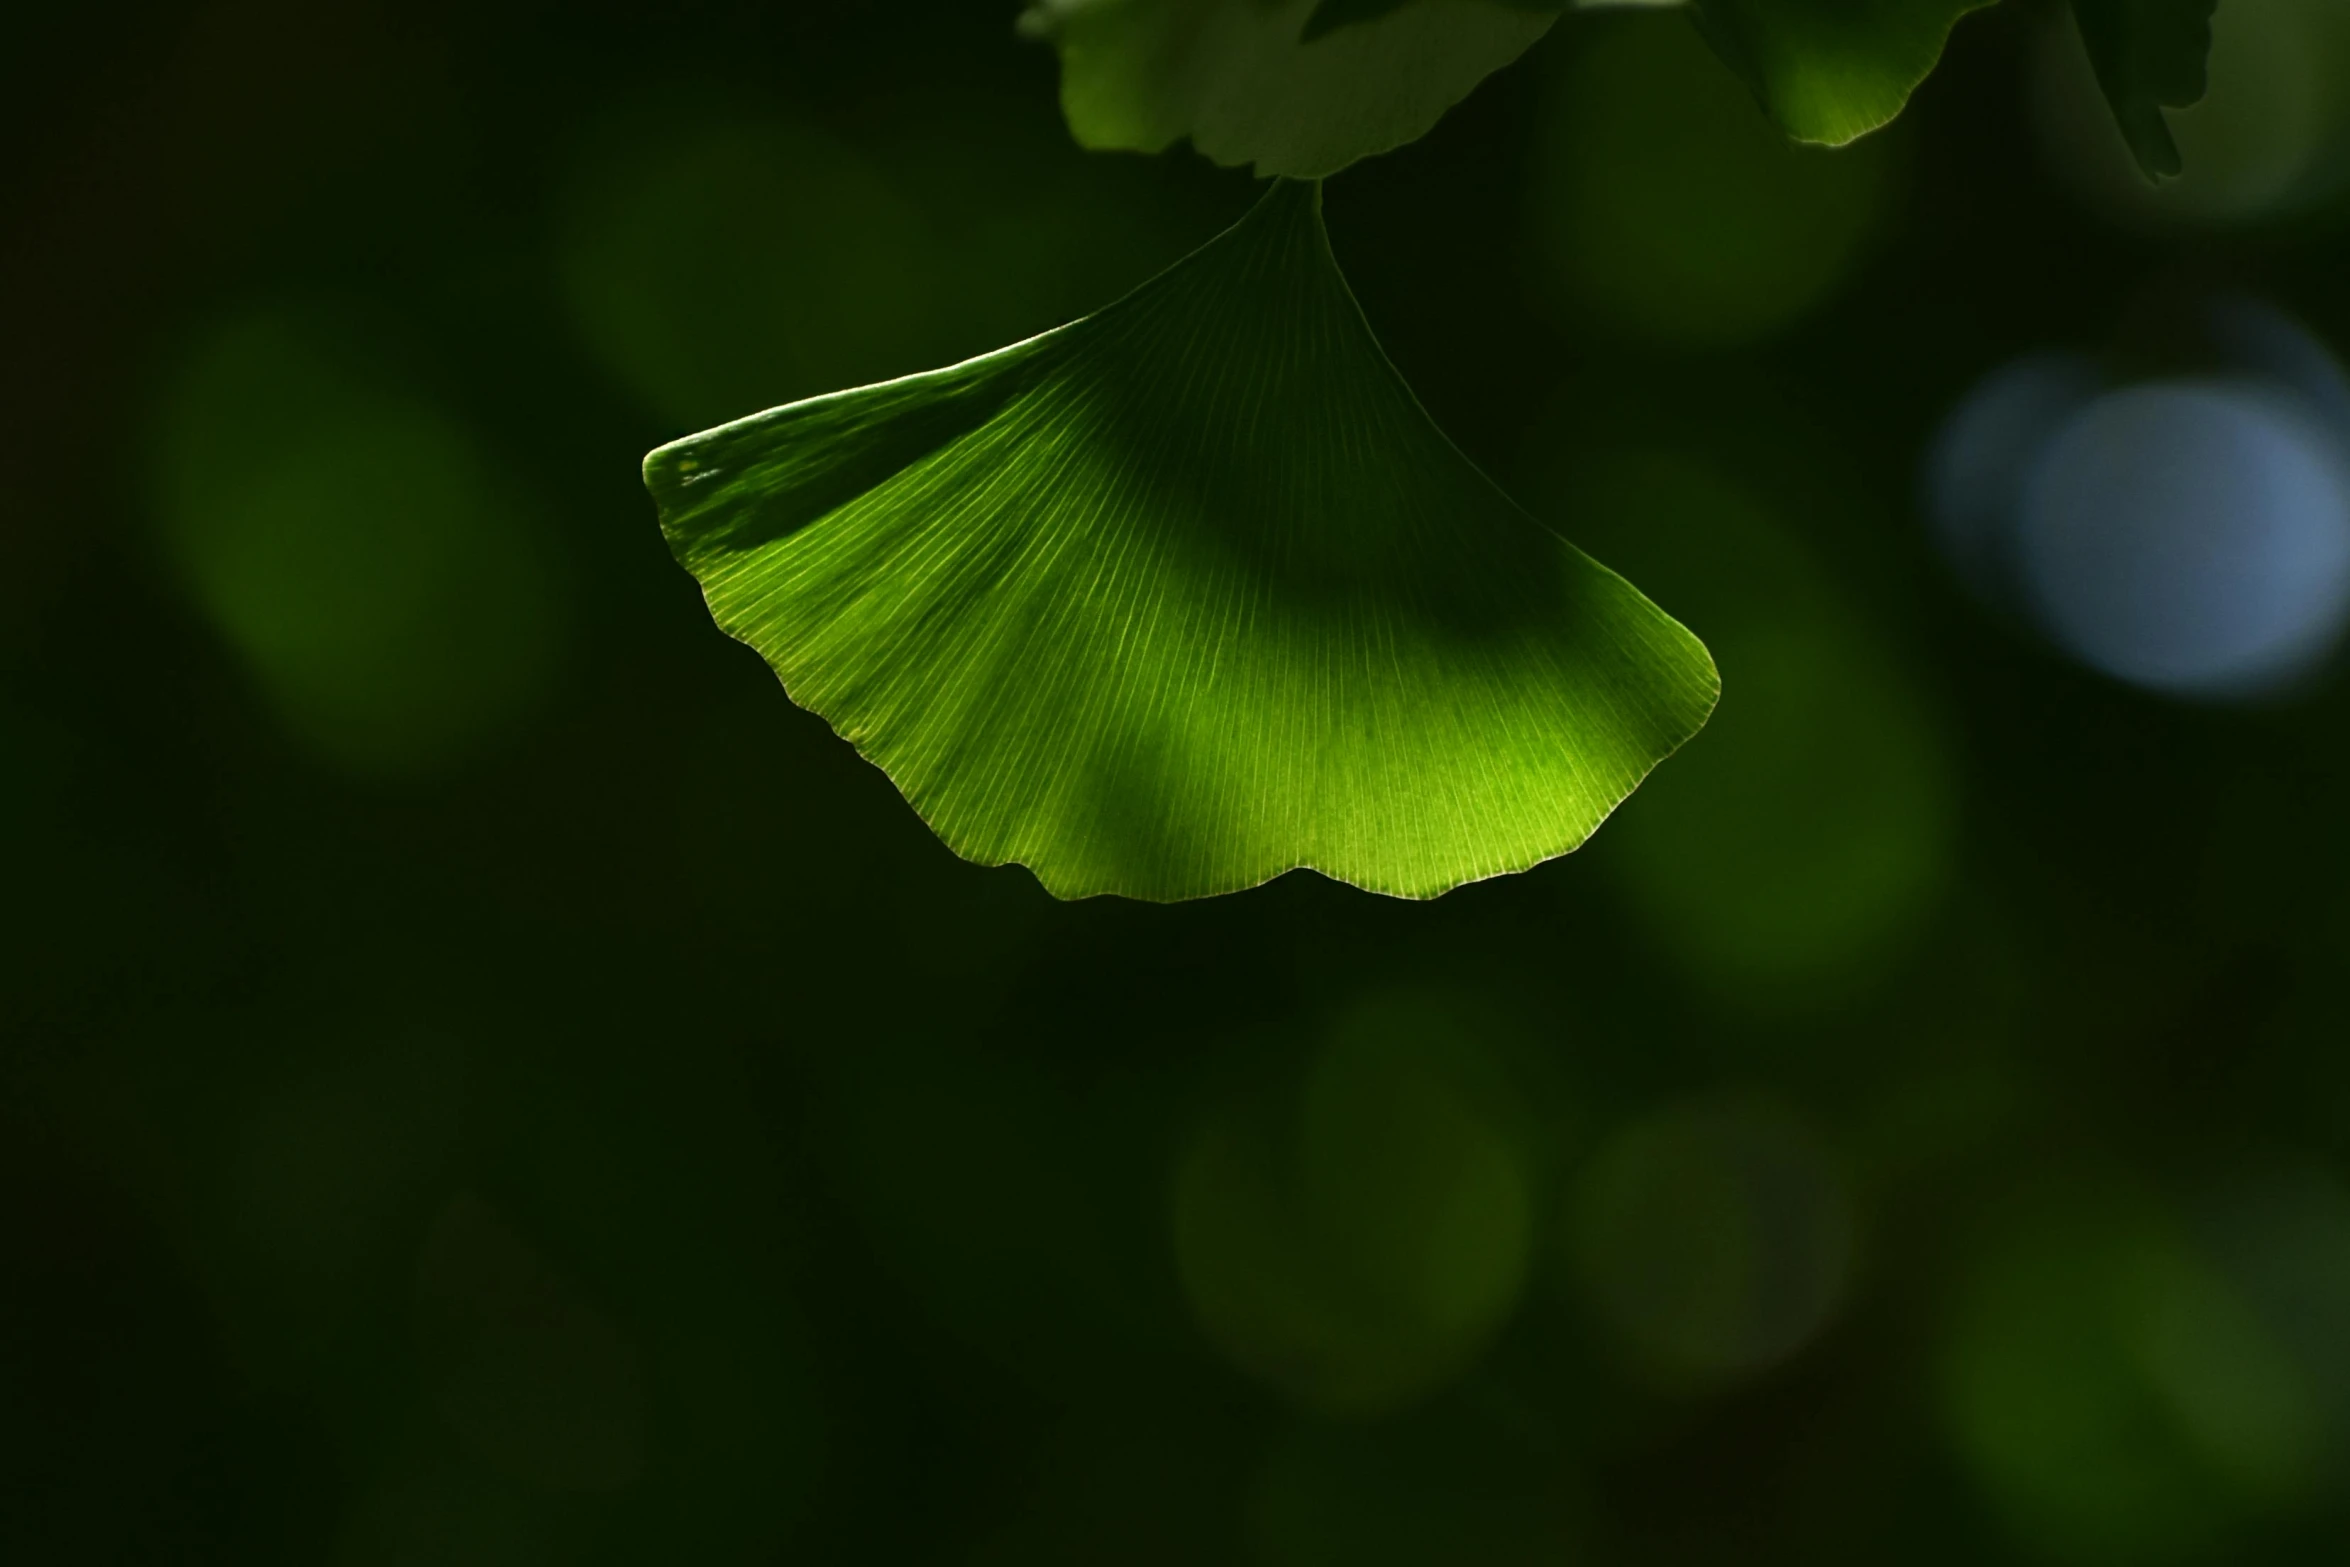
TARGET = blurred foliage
x,y
2149,56
2121,1396
612,1128
1305,87
1358,1249
1288,87
1831,71
1666,207
351,543
2268,138
691,277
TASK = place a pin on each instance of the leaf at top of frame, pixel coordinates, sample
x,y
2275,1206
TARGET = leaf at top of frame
x,y
1831,71
2150,55
1300,88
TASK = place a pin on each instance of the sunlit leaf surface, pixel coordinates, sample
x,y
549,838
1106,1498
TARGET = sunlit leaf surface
x,y
1831,70
1294,87
1185,595
2150,55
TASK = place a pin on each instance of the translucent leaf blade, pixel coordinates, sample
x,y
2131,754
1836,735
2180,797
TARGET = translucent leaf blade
x,y
1831,71
1185,595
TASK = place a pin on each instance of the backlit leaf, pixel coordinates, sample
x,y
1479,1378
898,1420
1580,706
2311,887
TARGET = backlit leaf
x,y
1831,71
2150,55
1187,594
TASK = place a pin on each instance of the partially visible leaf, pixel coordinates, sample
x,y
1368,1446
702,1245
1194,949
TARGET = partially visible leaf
x,y
1664,205
1187,594
2150,55
1831,71
1330,15
1273,83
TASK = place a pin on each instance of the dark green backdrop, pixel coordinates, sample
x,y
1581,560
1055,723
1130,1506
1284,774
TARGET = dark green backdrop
x,y
486,1080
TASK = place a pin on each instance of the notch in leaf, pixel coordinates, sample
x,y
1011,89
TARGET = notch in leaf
x,y
2149,55
1187,594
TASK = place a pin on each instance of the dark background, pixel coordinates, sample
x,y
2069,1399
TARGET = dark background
x,y
487,1080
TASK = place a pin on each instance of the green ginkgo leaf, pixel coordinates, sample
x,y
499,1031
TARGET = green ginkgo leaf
x,y
1271,83
2150,55
1831,71
1185,595
1330,15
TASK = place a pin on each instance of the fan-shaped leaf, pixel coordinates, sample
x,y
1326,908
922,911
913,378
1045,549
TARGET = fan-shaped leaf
x,y
1185,595
1831,71
2150,55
